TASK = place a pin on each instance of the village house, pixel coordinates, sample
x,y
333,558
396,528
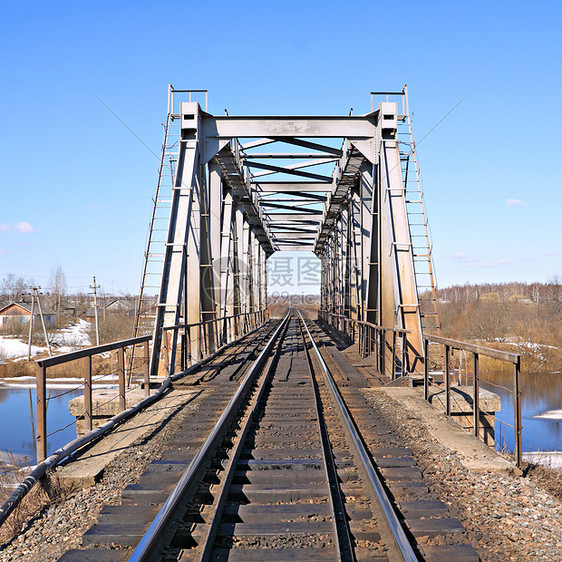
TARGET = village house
x,y
122,306
22,311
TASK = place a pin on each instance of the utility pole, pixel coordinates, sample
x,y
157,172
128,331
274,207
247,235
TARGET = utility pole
x,y
95,288
35,297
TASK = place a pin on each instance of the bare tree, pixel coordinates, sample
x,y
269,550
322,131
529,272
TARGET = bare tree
x,y
13,287
57,287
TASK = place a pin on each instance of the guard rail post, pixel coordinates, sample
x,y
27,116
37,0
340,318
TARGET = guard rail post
x,y
383,351
517,411
87,370
121,376
447,382
476,397
425,369
404,354
41,383
146,369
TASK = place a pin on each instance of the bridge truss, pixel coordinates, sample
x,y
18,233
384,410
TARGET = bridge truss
x,y
337,185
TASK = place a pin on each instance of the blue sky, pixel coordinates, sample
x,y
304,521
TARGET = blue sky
x,y
76,184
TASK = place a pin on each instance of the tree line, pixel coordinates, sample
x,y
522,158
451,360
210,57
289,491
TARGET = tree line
x,y
521,317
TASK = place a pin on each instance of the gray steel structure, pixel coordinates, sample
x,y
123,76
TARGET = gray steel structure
x,y
233,205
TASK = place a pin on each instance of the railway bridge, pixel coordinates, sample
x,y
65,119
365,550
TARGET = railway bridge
x,y
275,451
236,189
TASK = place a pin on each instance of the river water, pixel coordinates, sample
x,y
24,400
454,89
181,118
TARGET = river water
x,y
18,418
541,394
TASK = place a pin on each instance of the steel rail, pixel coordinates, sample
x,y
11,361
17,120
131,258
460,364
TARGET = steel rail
x,y
221,494
342,533
189,478
401,541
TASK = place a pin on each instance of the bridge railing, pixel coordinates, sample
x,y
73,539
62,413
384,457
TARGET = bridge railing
x,y
388,345
211,335
476,351
85,357
382,342
201,339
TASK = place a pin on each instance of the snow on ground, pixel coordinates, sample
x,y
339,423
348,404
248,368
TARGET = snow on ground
x,y
529,345
551,415
98,381
550,459
76,335
64,341
11,348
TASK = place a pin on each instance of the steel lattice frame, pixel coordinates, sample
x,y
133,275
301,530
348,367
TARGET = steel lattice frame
x,y
227,217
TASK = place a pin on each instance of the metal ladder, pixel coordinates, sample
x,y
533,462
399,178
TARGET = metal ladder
x,y
419,228
158,225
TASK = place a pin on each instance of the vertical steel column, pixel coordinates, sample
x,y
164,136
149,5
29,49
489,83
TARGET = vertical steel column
x,y
373,256
179,232
246,280
226,267
238,272
210,241
402,291
356,236
193,316
345,280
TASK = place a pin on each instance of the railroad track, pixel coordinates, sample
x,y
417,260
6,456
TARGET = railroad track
x,y
285,461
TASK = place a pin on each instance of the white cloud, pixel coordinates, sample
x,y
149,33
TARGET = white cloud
x,y
458,255
24,227
4,227
487,264
2,251
504,261
514,203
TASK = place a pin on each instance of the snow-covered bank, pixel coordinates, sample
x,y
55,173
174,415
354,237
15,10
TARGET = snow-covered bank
x,y
66,340
550,459
551,415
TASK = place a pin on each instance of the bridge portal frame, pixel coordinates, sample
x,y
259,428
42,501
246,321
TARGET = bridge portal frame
x,y
226,221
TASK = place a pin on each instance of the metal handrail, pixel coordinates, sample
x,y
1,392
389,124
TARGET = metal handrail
x,y
475,348
204,322
477,351
249,322
201,338
364,323
361,454
89,351
377,340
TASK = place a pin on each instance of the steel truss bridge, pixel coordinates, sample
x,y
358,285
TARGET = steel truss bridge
x,y
232,190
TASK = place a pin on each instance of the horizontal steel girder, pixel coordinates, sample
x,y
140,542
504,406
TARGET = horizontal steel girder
x,y
289,156
295,217
300,186
351,127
